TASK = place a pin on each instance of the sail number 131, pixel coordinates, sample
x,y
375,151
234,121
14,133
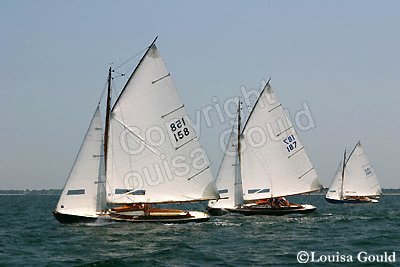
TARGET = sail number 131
x,y
290,142
179,130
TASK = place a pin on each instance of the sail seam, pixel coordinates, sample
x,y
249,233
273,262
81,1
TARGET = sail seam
x,y
153,82
190,178
274,108
169,113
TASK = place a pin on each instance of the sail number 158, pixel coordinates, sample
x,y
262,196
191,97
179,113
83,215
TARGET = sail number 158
x,y
179,130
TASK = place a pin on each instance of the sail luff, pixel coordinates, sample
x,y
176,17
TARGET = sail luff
x,y
107,119
255,104
343,168
238,168
351,154
101,203
134,71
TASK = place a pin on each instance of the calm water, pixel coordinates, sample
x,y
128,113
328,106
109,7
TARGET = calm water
x,y
29,235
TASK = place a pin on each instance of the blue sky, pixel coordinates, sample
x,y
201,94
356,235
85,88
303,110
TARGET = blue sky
x,y
340,58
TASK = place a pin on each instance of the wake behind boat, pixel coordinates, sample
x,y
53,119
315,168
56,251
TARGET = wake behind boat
x,y
133,168
355,180
256,176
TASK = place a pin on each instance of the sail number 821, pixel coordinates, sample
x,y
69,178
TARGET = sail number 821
x,y
179,130
290,143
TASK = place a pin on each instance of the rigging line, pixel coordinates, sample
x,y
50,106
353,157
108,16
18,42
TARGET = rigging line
x,y
120,74
255,104
102,94
351,154
152,149
113,90
152,45
131,58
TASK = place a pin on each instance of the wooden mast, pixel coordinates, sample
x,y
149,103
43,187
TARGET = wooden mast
x,y
237,181
107,122
238,133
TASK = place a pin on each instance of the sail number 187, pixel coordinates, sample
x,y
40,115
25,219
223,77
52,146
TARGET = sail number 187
x,y
290,142
179,130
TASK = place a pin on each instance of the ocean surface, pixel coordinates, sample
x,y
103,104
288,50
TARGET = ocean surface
x,y
30,236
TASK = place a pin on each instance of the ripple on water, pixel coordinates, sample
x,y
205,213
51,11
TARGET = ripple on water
x,y
38,239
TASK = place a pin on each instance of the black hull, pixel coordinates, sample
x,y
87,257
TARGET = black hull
x,y
217,212
67,218
250,211
343,201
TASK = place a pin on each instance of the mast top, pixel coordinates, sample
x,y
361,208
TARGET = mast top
x,y
134,71
255,104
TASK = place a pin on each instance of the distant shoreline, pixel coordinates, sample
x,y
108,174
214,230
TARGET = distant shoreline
x,y
16,192
53,192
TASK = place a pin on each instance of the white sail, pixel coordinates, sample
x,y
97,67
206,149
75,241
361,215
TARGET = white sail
x,y
335,189
80,195
359,176
229,182
153,152
274,162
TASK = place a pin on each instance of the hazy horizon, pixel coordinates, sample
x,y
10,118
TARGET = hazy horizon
x,y
336,61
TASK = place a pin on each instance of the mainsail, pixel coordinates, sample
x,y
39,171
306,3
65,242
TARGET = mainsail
x,y
274,162
153,152
82,194
359,176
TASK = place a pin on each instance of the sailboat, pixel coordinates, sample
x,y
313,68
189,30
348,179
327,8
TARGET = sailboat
x,y
264,163
355,180
151,154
